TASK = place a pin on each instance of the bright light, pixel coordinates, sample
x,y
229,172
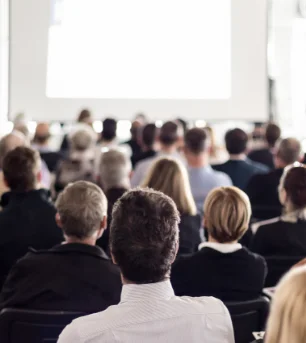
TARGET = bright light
x,y
123,129
97,126
55,129
159,123
200,123
8,127
32,126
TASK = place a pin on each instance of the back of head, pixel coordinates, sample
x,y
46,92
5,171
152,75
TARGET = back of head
x,y
272,134
10,142
109,129
21,168
81,207
227,214
144,235
170,132
135,127
236,141
82,140
115,169
170,177
42,133
293,182
289,151
286,322
85,117
149,133
196,141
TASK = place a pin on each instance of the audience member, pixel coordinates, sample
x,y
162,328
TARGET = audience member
x,y
84,118
148,138
170,137
266,154
41,143
239,168
222,268
79,164
263,188
133,143
170,177
144,241
28,217
286,235
75,276
114,179
109,134
201,175
286,322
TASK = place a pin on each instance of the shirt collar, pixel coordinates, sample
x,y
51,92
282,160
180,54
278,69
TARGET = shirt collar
x,y
80,248
147,292
224,248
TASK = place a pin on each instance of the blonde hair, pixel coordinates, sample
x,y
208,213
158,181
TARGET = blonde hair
x,y
227,212
286,322
170,177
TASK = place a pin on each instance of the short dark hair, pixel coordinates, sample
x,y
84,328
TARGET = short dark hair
x,y
109,129
169,133
84,115
273,133
236,141
20,169
149,135
144,235
196,140
294,183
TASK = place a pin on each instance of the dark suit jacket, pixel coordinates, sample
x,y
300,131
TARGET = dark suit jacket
x,y
263,156
68,277
189,234
27,220
52,159
241,171
263,193
235,276
280,238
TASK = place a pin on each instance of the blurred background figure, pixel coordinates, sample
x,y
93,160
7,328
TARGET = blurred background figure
x,y
133,143
108,138
114,178
170,177
266,154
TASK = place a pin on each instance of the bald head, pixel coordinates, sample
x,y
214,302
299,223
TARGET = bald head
x,y
42,133
10,142
289,151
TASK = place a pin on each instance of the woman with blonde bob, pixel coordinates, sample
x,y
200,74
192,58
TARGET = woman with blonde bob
x,y
170,177
222,267
286,323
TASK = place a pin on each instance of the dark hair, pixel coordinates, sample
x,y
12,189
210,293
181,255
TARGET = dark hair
x,y
109,129
149,135
236,141
183,123
144,235
169,133
196,140
20,168
273,133
84,115
295,186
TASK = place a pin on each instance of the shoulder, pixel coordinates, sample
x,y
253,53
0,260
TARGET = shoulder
x,y
253,257
222,178
270,224
259,166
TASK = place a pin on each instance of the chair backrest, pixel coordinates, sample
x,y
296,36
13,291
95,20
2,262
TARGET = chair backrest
x,y
18,326
278,266
248,317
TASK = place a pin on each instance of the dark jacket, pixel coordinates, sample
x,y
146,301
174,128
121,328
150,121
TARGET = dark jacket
x,y
142,156
263,193
235,276
68,277
27,220
263,156
189,234
280,238
241,171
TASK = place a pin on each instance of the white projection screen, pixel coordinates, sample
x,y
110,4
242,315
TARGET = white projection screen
x,y
198,59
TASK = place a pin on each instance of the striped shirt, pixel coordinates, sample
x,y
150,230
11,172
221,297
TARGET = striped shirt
x,y
152,313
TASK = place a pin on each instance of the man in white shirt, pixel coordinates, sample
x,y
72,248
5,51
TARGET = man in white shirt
x,y
144,243
170,138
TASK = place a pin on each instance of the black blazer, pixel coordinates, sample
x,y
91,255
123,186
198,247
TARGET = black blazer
x,y
27,220
263,156
263,193
235,276
280,238
189,234
68,277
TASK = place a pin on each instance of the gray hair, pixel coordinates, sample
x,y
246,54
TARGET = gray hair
x,y
289,150
10,142
81,206
114,169
82,139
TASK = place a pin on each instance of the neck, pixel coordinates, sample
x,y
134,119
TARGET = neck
x,y
238,157
212,240
88,241
168,149
197,161
125,281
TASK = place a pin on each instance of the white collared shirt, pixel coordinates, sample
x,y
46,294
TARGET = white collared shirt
x,y
151,313
224,248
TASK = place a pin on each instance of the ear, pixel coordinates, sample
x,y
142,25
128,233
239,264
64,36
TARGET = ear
x,y
103,225
5,182
58,220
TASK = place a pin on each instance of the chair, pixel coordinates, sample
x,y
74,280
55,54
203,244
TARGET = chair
x,y
278,266
31,326
248,317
